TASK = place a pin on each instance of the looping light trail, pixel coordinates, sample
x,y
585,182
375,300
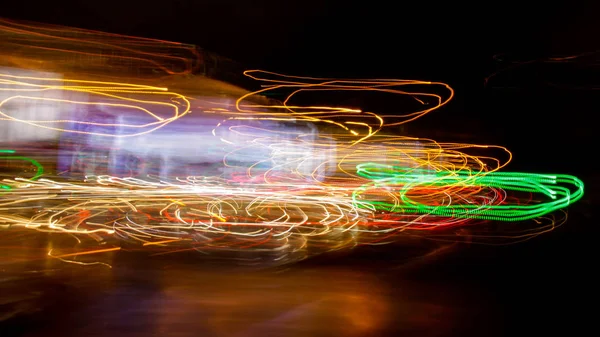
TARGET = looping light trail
x,y
411,181
293,180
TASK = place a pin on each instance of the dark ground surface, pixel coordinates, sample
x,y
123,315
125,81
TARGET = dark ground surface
x,y
546,285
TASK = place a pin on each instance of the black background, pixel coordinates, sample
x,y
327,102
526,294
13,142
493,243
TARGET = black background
x,y
545,113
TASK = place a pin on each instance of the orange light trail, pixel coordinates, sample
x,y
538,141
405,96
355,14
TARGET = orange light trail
x,y
284,191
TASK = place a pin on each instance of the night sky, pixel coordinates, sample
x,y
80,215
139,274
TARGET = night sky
x,y
446,41
404,38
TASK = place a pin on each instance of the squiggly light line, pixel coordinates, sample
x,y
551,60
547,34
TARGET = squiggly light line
x,y
346,184
409,181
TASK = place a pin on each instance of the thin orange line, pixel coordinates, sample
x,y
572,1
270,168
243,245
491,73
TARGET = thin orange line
x,y
86,253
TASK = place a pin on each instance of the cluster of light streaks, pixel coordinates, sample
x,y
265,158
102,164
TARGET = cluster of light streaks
x,y
350,181
157,104
205,213
86,52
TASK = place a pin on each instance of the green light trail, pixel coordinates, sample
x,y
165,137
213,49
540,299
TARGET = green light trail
x,y
560,191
